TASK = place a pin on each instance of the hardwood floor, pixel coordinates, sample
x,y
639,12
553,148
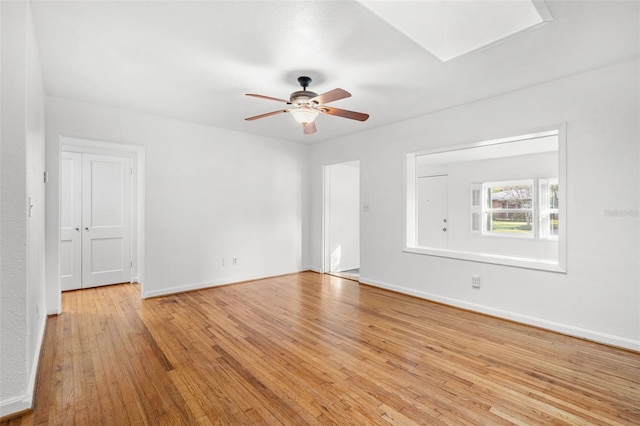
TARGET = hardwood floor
x,y
310,349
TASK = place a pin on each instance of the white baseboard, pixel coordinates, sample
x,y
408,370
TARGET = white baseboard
x,y
24,402
348,268
569,330
16,405
53,311
199,286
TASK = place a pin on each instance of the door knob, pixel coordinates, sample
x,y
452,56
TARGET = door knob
x,y
444,229
77,229
86,228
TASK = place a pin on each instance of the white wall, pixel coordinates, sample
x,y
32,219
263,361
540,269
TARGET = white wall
x,y
344,216
22,286
211,194
599,297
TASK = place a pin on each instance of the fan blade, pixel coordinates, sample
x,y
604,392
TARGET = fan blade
x,y
344,113
255,117
309,128
330,96
267,97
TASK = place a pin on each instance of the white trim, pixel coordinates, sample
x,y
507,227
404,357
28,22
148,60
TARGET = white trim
x,y
491,142
54,311
216,283
551,265
562,197
409,236
24,402
569,330
16,404
325,256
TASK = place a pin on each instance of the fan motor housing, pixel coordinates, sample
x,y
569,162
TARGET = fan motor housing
x,y
302,96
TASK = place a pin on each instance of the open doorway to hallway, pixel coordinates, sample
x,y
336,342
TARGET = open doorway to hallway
x,y
342,219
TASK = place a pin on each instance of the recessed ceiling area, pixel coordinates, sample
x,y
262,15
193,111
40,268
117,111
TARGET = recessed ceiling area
x,y
451,28
194,61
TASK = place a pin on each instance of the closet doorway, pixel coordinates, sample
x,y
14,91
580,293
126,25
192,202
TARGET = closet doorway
x,y
95,220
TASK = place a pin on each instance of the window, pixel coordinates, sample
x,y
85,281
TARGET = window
x,y
521,208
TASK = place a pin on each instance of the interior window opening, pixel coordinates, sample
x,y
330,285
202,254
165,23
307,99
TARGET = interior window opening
x,y
497,201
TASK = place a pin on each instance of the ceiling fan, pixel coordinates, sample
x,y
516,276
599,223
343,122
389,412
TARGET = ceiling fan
x,y
307,105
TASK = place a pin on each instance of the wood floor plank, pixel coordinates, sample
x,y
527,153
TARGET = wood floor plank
x,y
316,349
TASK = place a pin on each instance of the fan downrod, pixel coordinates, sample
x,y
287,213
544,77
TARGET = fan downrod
x,y
304,82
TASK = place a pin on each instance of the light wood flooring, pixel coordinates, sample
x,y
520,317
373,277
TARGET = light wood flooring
x,y
308,349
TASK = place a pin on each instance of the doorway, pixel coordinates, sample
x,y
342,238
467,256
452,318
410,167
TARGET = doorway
x,y
342,219
101,207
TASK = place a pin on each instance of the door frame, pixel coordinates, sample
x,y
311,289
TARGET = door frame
x,y
136,154
326,215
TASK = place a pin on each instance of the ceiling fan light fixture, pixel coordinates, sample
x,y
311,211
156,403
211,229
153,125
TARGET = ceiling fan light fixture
x,y
307,105
304,115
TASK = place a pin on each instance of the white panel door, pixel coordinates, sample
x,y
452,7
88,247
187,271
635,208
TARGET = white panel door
x,y
106,220
71,221
432,211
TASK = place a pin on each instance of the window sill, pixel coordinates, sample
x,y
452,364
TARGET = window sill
x,y
550,265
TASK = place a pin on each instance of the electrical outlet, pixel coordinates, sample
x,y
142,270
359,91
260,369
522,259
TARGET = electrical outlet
x,y
475,281
235,260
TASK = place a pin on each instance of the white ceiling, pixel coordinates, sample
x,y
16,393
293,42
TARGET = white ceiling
x,y
195,60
